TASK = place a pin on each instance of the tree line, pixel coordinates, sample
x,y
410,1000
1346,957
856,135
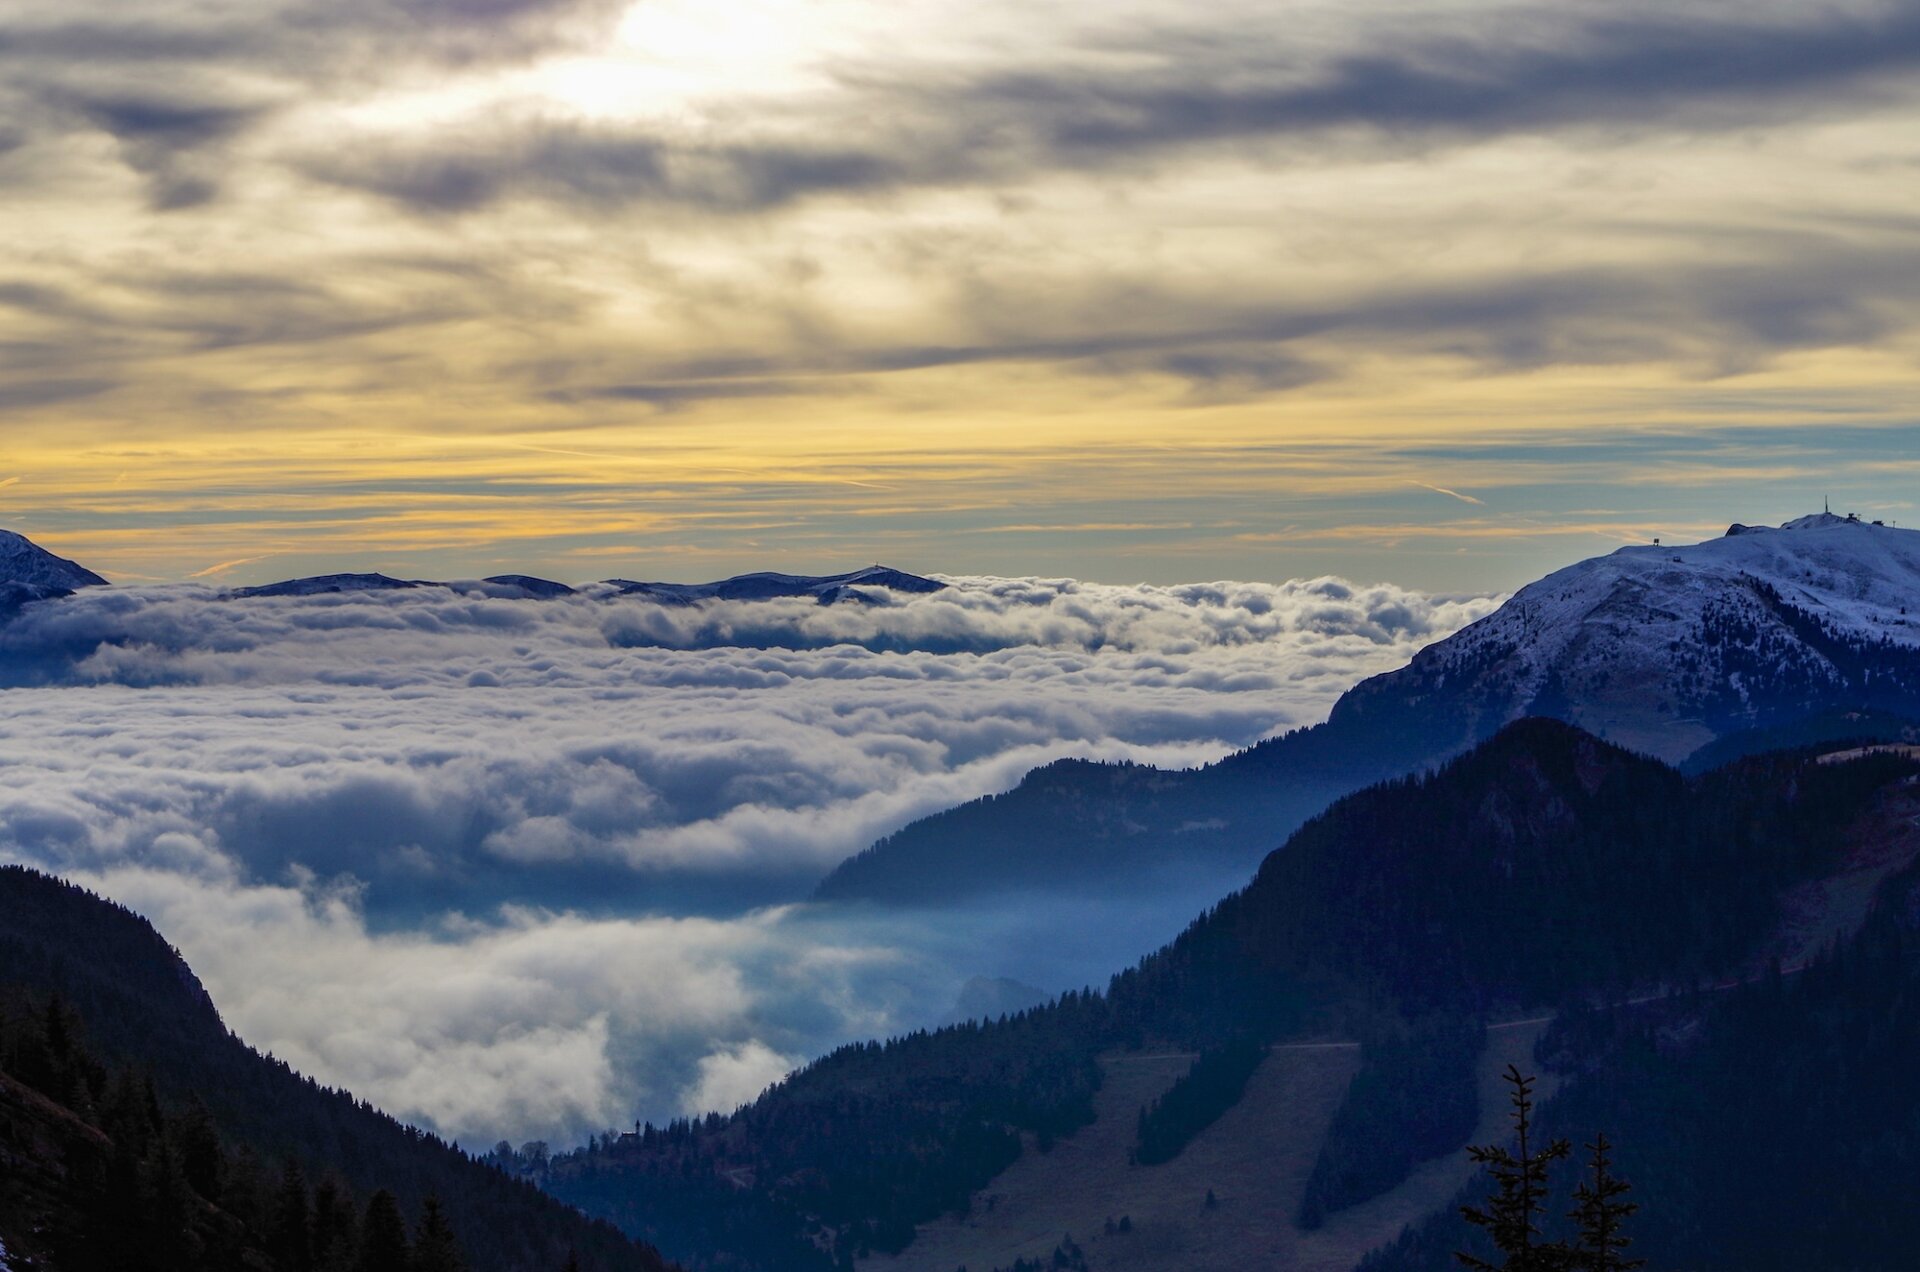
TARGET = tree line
x,y
142,1187
144,1012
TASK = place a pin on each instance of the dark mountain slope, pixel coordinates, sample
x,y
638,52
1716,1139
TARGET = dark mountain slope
x,y
1824,729
848,1154
1076,823
1605,869
1544,865
140,1005
1771,1127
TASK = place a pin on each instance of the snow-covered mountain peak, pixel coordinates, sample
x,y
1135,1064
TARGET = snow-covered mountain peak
x,y
26,562
1664,647
827,589
1820,521
1858,577
330,585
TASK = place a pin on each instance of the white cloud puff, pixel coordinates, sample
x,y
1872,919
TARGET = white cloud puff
x,y
525,867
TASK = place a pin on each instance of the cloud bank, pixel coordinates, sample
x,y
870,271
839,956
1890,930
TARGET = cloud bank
x,y
524,867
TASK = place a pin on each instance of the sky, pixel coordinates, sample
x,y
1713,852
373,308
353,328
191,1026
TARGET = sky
x,y
1445,294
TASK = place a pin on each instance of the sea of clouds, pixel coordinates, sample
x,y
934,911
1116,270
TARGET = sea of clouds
x,y
534,868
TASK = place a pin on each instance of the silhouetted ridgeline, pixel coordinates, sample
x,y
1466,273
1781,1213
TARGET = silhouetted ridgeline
x,y
153,1134
1082,823
1542,864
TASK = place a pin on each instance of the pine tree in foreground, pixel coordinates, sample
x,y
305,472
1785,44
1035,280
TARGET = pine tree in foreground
x,y
1512,1215
434,1246
383,1236
1600,1211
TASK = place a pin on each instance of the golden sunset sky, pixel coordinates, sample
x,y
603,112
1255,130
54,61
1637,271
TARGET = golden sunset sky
x,y
1448,293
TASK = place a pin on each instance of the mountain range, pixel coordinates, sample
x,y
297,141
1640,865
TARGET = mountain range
x,y
1755,635
1306,1060
29,572
867,586
1312,1052
1649,829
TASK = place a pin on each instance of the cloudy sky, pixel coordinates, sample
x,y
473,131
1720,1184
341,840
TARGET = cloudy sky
x,y
1446,293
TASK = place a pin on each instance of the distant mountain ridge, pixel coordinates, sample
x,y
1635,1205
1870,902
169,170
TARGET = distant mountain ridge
x,y
332,584
828,589
1660,649
862,586
25,562
29,573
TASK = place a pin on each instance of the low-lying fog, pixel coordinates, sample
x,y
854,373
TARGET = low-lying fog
x,y
535,868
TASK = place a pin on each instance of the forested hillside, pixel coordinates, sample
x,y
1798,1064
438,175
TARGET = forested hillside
x,y
1543,867
1543,864
141,1134
1078,823
1775,1125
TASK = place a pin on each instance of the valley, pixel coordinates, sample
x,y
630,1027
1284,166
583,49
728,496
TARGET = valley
x,y
1609,914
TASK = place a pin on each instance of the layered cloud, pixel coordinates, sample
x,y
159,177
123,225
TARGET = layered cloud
x,y
453,284
527,867
1120,94
444,747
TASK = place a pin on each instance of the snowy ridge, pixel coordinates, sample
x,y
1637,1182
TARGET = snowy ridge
x,y
1664,648
331,584
30,572
768,586
25,562
860,585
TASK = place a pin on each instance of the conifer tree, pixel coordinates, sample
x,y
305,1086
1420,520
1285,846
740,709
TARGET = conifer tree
x,y
1511,1218
201,1156
383,1236
168,1244
334,1224
1600,1211
434,1247
290,1230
